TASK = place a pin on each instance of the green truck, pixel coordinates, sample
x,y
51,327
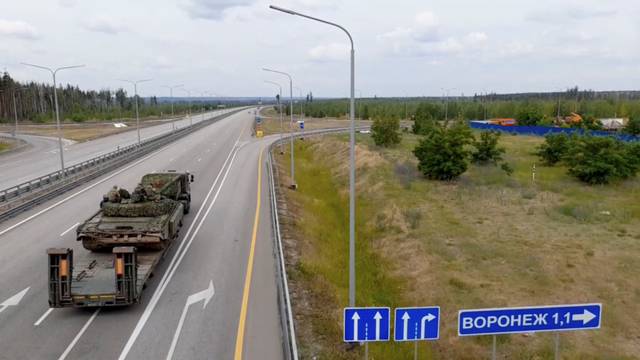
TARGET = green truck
x,y
126,239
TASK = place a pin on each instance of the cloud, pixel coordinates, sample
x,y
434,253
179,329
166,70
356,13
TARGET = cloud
x,y
576,13
18,29
68,3
104,25
212,9
330,52
425,37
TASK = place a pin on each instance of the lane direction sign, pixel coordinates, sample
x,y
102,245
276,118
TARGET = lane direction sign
x,y
366,324
529,319
417,323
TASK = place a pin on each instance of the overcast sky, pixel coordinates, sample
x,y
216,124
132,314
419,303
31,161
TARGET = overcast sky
x,y
403,47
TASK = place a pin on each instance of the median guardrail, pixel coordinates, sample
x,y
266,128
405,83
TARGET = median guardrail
x,y
22,197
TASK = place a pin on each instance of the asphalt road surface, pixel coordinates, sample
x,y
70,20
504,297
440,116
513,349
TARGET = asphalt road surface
x,y
217,245
43,158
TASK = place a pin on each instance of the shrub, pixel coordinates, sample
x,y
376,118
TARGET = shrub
x,y
633,126
423,121
554,148
600,160
386,131
442,154
486,149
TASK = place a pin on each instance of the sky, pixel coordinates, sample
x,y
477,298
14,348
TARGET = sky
x,y
402,47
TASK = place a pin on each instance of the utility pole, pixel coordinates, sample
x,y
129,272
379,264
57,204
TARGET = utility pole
x,y
135,92
55,96
352,156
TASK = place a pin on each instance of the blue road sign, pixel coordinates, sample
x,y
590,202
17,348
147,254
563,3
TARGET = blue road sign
x,y
301,124
366,324
417,323
529,319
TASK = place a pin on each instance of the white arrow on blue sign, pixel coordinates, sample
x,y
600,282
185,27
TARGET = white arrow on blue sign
x,y
417,323
529,319
366,324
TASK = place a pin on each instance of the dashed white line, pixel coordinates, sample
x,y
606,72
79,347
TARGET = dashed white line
x,y
75,340
69,229
44,316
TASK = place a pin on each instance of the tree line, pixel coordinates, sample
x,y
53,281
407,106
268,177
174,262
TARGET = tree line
x,y
35,102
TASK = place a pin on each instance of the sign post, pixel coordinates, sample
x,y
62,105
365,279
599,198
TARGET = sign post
x,y
529,320
417,323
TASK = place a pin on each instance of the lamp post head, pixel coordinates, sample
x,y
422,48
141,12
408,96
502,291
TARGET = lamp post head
x,y
278,8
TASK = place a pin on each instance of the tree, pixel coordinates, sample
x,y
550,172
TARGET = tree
x,y
365,113
600,160
554,148
424,120
443,153
386,131
486,149
633,126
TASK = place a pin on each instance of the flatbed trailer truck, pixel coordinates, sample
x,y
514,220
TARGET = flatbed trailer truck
x,y
126,247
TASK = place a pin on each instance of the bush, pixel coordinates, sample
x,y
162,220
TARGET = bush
x,y
424,121
386,131
554,148
633,126
442,154
486,149
600,160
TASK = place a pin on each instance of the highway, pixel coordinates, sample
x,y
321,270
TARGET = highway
x,y
229,225
42,156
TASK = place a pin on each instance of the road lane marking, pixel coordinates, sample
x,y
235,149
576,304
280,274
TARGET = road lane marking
x,y
205,295
14,300
177,257
44,316
69,229
84,190
249,274
75,340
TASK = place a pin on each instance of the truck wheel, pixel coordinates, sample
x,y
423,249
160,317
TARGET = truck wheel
x,y
185,206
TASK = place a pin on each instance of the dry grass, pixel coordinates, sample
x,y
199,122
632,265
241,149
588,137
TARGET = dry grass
x,y
489,240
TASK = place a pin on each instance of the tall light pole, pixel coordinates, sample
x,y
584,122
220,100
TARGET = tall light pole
x,y
135,94
293,171
173,122
301,118
446,103
279,109
352,156
189,112
55,96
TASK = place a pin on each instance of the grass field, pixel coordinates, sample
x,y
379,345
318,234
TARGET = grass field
x,y
485,240
4,146
271,122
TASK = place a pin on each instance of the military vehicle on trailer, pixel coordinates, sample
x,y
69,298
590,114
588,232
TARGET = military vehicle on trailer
x,y
127,237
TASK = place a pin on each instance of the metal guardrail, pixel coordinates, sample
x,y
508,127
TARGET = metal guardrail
x,y
290,345
19,198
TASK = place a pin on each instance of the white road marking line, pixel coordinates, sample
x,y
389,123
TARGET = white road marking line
x,y
44,316
177,258
75,340
69,229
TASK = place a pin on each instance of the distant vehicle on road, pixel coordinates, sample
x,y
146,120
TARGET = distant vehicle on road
x,y
127,238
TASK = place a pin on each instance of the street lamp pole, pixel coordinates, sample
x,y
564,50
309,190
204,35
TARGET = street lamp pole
x,y
301,118
352,156
55,96
189,112
293,178
135,93
173,122
279,109
446,103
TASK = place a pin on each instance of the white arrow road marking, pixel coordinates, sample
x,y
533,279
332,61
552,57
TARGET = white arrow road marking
x,y
44,316
75,340
405,325
355,319
205,295
14,300
585,317
424,320
69,229
377,318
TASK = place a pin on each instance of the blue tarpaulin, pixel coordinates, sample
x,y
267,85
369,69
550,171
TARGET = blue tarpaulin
x,y
544,130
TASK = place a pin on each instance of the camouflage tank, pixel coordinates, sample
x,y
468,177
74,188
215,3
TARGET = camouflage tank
x,y
148,218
